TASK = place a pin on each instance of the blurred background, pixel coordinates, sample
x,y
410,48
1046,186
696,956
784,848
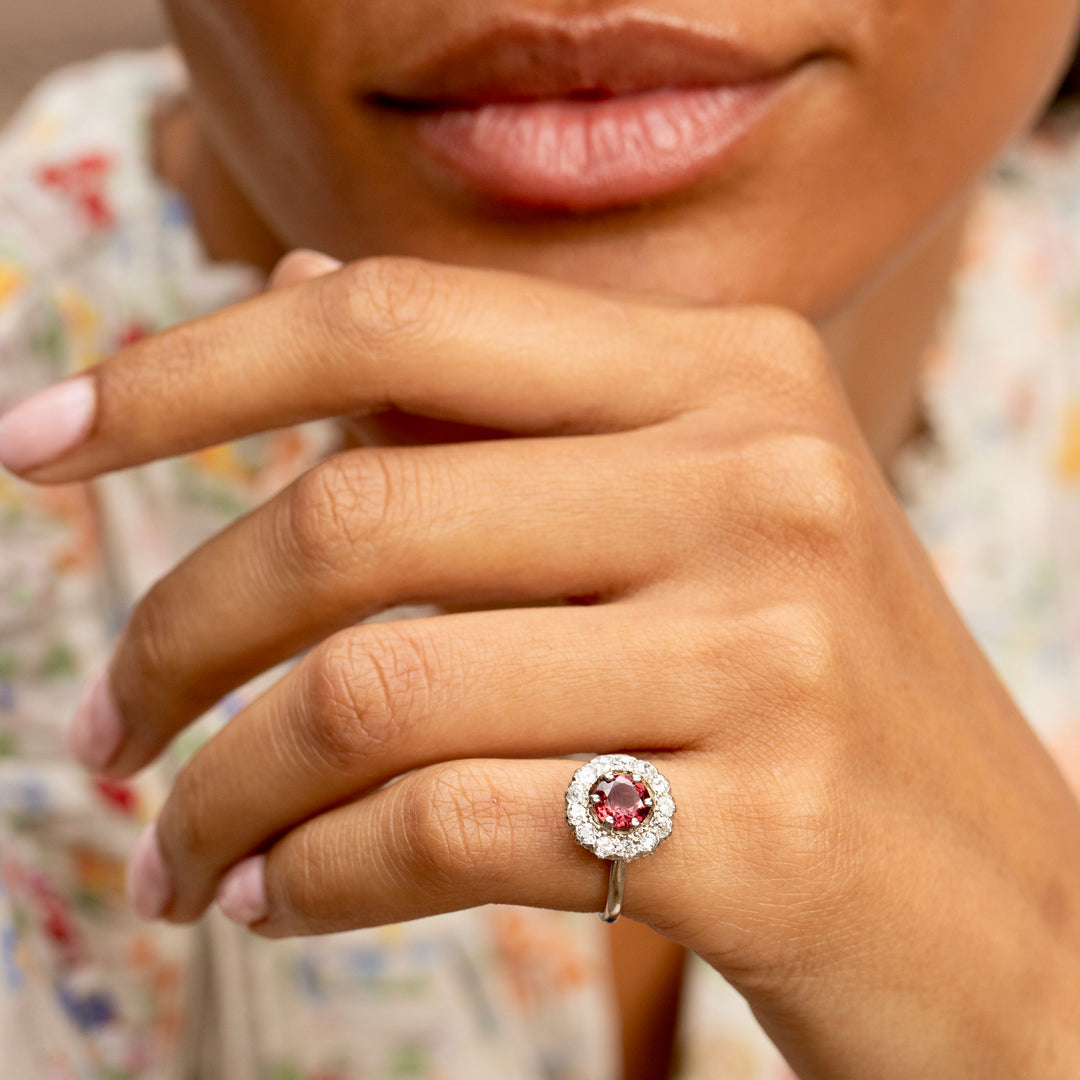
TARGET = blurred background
x,y
37,36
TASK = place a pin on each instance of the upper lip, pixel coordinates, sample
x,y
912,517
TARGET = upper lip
x,y
534,57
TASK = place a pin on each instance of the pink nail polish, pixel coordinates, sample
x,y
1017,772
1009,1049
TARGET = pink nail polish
x,y
149,883
318,261
96,732
303,264
48,425
242,892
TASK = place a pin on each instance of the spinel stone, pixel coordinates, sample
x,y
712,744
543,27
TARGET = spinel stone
x,y
622,802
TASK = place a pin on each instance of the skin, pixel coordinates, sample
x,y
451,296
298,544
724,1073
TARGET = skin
x,y
850,772
867,828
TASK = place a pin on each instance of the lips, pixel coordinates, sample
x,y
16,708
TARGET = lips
x,y
583,115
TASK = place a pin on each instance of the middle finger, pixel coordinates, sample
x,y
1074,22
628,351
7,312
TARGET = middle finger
x,y
511,521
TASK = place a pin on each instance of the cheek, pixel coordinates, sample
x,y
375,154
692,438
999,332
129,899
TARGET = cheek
x,y
935,90
268,90
955,80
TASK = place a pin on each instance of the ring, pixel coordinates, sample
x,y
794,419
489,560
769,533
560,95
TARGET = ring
x,y
620,808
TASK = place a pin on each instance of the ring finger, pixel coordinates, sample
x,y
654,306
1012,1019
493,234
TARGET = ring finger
x,y
377,701
451,836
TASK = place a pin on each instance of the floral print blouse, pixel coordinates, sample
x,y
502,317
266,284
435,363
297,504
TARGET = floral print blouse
x,y
96,252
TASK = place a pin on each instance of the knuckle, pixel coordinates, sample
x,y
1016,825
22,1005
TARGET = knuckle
x,y
341,723
814,496
797,658
787,369
459,826
337,511
804,844
800,768
794,814
391,296
786,355
367,692
792,347
791,333
809,652
812,827
402,671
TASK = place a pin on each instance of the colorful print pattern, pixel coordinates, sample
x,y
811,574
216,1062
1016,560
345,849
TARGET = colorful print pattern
x,y
95,253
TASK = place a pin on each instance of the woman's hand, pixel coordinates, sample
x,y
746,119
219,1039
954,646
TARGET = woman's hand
x,y
870,844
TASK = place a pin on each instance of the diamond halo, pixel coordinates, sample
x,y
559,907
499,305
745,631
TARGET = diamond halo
x,y
601,838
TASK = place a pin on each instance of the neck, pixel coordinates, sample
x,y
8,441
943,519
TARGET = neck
x,y
879,343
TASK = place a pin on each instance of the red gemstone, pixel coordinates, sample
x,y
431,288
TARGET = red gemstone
x,y
620,802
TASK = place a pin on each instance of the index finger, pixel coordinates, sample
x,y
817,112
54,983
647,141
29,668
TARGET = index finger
x,y
479,347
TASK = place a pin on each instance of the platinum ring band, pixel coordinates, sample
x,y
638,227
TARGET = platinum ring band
x,y
616,885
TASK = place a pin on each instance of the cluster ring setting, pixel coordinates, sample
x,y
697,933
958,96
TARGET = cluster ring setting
x,y
620,808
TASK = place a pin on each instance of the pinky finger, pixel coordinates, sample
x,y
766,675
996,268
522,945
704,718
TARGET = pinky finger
x,y
444,838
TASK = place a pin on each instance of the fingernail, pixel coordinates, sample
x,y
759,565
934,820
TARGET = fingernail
x,y
242,892
317,260
48,425
96,732
149,884
302,265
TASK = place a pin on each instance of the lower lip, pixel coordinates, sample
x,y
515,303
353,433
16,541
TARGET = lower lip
x,y
589,155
